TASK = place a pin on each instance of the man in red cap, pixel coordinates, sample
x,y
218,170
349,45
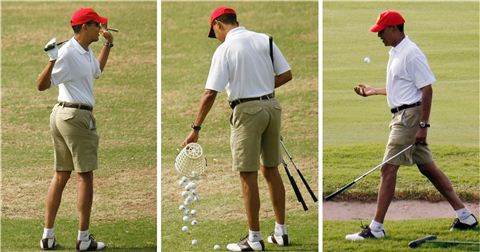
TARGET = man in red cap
x,y
409,96
73,68
249,66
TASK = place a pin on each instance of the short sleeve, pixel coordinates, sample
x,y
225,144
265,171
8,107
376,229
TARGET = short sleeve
x,y
61,72
218,74
420,71
280,63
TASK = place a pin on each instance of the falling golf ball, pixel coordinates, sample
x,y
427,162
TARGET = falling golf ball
x,y
185,218
216,247
184,229
193,212
181,208
194,222
366,60
194,242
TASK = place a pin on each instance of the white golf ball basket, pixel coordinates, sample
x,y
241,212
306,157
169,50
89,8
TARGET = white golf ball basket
x,y
190,162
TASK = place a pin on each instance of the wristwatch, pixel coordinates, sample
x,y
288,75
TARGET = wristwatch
x,y
108,44
195,127
424,125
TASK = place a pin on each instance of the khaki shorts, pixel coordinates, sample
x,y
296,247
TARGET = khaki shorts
x,y
75,139
403,129
255,135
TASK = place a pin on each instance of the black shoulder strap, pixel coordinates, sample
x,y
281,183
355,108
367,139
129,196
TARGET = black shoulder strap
x,y
270,39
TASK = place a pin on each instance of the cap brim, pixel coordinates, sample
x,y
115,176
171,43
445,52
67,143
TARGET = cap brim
x,y
101,20
211,34
376,28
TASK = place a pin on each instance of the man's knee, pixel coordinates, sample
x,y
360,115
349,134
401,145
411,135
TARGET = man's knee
x,y
270,173
62,177
389,170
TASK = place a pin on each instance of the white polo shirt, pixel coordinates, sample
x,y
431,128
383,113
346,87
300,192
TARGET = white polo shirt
x,y
74,72
407,72
242,66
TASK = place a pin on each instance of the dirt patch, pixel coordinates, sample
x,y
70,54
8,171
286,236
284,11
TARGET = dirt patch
x,y
398,210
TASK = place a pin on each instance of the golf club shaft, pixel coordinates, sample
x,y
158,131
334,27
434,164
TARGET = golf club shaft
x,y
331,196
455,242
112,29
298,194
312,194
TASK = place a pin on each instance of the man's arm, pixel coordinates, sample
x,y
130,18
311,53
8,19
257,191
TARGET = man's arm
x,y
427,93
283,78
366,90
206,103
44,79
103,56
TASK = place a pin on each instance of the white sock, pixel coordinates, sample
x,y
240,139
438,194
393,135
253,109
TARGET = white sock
x,y
48,233
280,229
83,235
376,226
463,213
254,236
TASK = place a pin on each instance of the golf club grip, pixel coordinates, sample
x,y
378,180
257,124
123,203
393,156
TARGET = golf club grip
x,y
51,46
295,187
331,196
307,186
418,242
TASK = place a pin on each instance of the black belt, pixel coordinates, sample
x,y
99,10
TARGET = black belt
x,y
242,100
75,105
398,109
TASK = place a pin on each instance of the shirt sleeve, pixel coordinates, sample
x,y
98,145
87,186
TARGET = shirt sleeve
x,y
280,64
218,75
420,71
61,70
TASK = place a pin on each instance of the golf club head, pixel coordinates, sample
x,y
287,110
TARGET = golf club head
x,y
417,243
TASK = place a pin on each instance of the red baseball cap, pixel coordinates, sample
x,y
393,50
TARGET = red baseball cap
x,y
217,13
387,18
84,15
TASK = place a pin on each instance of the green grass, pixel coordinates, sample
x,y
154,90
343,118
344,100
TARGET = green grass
x,y
186,56
356,128
125,183
399,234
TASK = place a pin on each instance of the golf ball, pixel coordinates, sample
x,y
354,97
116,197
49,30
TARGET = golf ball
x,y
184,194
366,60
193,212
216,247
181,208
190,186
185,218
194,242
194,222
194,192
184,229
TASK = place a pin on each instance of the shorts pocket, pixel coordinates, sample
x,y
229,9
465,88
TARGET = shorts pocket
x,y
410,118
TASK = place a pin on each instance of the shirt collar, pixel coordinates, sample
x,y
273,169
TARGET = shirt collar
x,y
77,46
234,32
400,45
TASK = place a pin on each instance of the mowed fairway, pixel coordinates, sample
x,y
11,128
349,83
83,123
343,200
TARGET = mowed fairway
x,y
186,56
356,129
124,208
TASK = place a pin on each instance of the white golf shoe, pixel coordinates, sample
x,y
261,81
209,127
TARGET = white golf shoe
x,y
246,245
48,243
366,233
89,245
281,240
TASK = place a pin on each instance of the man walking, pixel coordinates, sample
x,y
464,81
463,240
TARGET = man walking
x,y
73,68
409,96
249,67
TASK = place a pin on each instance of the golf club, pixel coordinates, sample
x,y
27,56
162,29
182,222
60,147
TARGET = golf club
x,y
294,185
431,239
312,194
61,43
331,196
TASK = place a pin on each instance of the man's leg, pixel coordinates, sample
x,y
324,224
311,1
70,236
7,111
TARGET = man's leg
x,y
386,191
251,198
442,183
84,198
54,197
277,192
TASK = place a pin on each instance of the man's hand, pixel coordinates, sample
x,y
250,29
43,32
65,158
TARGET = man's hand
x,y
52,49
191,138
421,136
105,33
364,90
